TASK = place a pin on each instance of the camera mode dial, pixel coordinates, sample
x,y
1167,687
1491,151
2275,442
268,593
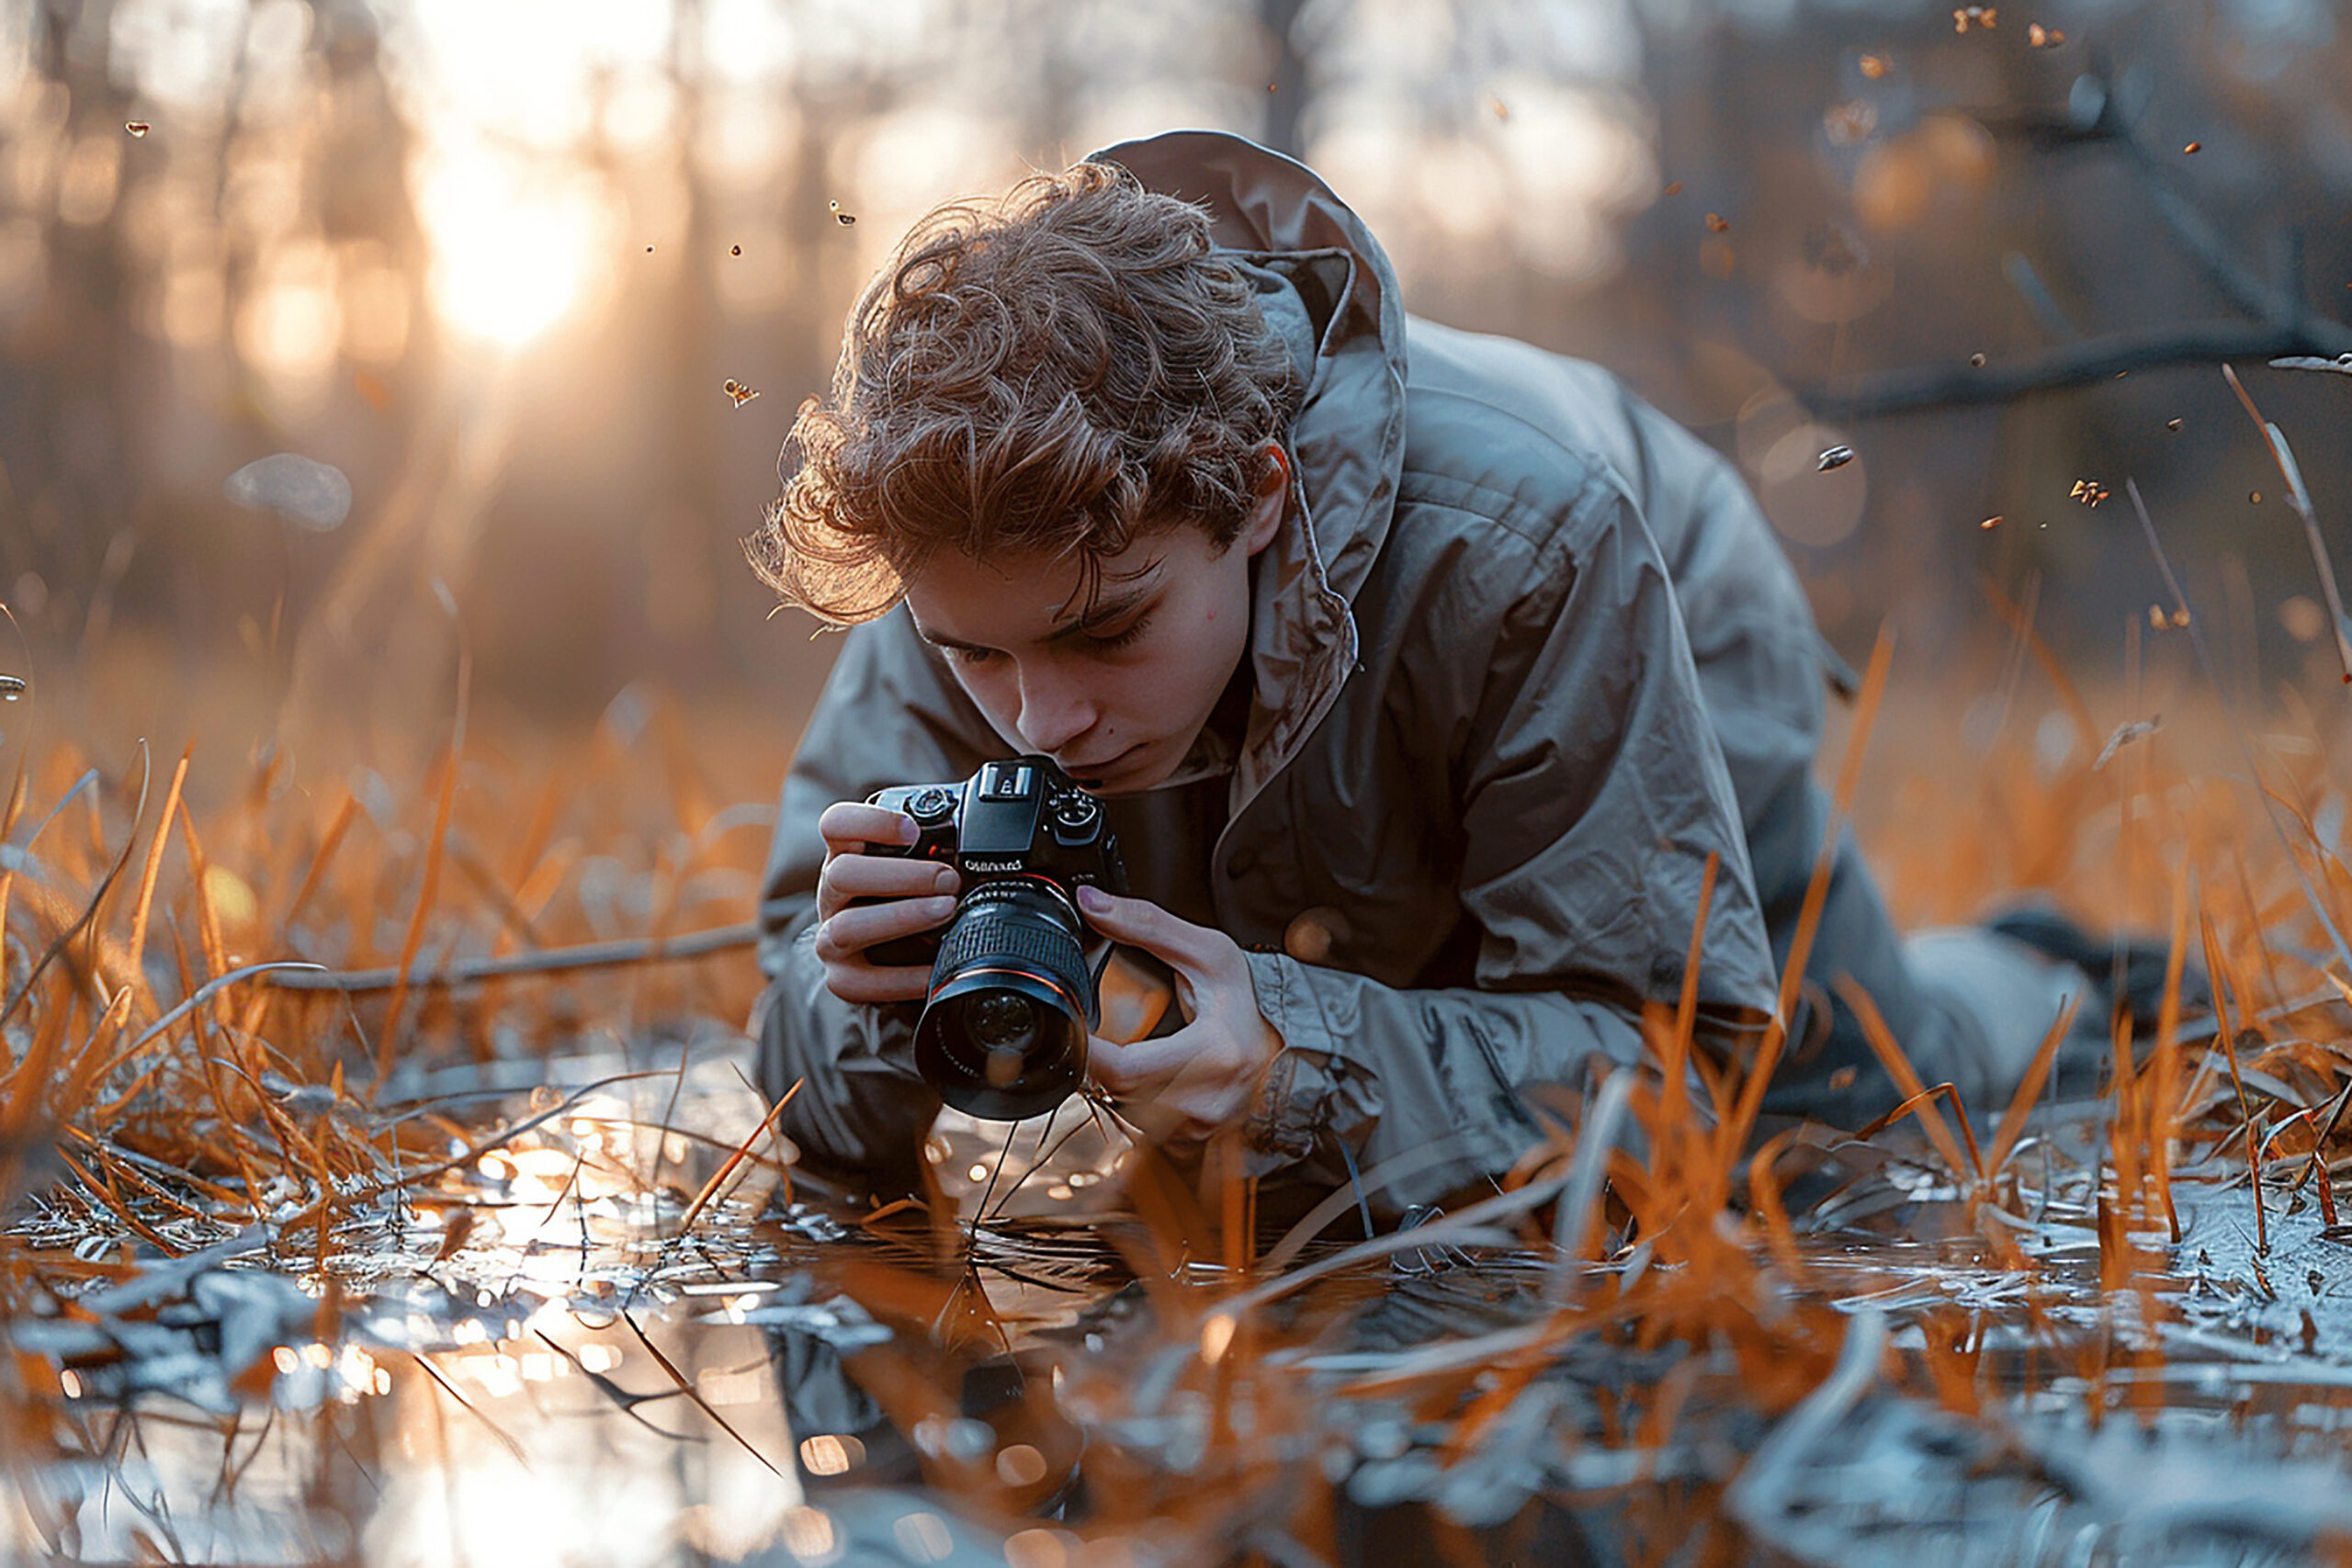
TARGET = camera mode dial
x,y
931,805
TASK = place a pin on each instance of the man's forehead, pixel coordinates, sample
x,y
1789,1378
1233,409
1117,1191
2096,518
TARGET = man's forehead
x,y
961,599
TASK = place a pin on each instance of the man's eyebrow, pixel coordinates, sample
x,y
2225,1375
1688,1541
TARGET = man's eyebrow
x,y
1108,608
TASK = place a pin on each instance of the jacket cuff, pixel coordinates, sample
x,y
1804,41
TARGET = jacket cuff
x,y
1313,1107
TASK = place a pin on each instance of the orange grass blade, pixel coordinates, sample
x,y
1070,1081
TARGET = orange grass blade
x,y
2087,733
2029,1089
156,865
1733,1134
432,884
340,825
728,1166
2230,1054
1918,1094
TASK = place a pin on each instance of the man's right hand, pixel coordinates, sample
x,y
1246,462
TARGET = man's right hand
x,y
916,896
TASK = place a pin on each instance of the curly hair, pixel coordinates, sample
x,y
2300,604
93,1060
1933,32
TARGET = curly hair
x,y
1057,370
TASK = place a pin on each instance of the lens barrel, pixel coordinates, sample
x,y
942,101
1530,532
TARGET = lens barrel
x,y
1002,1034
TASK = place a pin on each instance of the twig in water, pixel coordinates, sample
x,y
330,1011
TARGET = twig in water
x,y
549,961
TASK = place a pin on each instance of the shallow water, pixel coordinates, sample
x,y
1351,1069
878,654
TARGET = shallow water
x,y
571,1376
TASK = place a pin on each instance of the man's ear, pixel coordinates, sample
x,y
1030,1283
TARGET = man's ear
x,y
1272,499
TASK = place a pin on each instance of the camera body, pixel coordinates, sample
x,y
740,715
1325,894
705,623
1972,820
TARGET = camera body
x,y
1013,994
1025,818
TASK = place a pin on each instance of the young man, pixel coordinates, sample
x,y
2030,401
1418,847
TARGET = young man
x,y
1422,675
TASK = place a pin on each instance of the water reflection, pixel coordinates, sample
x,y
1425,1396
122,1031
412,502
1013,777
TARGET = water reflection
x,y
579,1376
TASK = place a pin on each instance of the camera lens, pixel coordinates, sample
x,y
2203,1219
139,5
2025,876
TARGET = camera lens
x,y
1002,1034
1000,1020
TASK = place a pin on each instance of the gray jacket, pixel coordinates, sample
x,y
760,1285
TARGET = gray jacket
x,y
1524,655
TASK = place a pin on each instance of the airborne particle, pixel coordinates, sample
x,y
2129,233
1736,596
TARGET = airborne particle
x,y
1873,66
1992,522
299,488
2172,424
1674,187
1717,222
137,127
1833,457
2180,616
734,250
2255,497
1850,124
2043,37
13,687
1976,362
739,391
1502,109
2193,147
843,219
2089,492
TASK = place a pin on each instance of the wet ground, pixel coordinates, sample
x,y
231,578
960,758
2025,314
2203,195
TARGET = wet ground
x,y
599,1340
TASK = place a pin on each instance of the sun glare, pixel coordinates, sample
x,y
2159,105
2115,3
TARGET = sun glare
x,y
511,253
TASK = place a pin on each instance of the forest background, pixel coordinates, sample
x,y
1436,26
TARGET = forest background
x,y
513,268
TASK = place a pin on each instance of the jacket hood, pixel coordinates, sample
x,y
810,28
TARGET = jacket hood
x,y
1328,290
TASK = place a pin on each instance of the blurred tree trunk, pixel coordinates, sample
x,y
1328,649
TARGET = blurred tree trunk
x,y
1286,103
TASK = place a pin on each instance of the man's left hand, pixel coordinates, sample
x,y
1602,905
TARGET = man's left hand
x,y
1184,1088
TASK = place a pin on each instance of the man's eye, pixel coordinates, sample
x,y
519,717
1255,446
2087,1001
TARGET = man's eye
x,y
968,655
1134,632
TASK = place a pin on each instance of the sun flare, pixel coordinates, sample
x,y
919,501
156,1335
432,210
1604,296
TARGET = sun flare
x,y
513,249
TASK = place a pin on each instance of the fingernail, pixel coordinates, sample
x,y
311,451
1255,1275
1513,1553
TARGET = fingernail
x,y
908,831
1094,900
943,908
946,879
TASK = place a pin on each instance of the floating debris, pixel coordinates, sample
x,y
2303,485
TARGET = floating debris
x,y
137,127
1976,362
1849,123
2090,493
1502,109
2194,147
2253,497
734,250
2341,363
1873,66
2040,37
1717,222
1985,16
1674,187
299,488
1992,522
2172,424
1833,457
12,687
741,392
843,219
2139,730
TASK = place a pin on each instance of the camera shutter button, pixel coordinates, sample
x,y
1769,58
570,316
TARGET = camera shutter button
x,y
1075,810
932,804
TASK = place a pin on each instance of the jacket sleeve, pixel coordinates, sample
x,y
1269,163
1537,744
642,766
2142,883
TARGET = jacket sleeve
x,y
889,714
1591,792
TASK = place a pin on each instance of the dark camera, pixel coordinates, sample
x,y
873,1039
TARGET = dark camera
x,y
1012,994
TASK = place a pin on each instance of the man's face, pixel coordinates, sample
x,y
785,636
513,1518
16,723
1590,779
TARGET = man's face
x,y
1115,693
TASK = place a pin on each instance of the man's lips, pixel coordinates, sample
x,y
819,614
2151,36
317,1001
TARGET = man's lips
x,y
1083,771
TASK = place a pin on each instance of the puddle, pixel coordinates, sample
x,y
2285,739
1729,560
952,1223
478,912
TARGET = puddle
x,y
530,1355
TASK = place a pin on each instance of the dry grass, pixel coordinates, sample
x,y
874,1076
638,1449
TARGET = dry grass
x,y
160,1096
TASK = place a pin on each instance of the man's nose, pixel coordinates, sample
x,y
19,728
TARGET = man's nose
x,y
1054,710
